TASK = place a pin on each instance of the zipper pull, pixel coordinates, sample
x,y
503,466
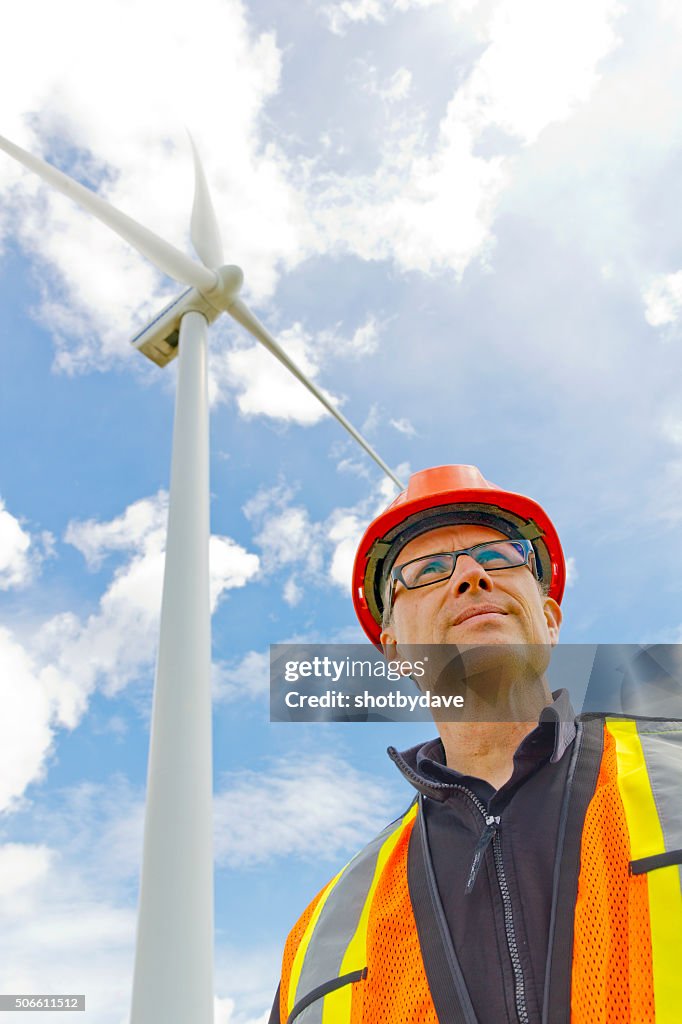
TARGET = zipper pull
x,y
492,823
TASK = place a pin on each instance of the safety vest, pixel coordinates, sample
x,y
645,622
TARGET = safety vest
x,y
373,946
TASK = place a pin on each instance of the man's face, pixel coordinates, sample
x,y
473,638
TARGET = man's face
x,y
473,606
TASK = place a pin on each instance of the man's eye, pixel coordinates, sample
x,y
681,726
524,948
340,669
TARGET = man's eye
x,y
495,555
435,567
499,556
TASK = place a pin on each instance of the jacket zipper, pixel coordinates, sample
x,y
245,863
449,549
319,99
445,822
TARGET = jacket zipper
x,y
492,823
519,984
490,833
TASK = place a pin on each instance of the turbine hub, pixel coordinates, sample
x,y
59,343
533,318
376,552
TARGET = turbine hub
x,y
230,280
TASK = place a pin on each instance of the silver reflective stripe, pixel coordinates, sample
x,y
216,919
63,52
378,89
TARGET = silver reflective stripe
x,y
662,748
337,925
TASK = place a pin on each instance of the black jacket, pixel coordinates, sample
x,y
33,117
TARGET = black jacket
x,y
495,879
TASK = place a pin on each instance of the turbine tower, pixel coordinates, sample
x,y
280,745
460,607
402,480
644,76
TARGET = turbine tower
x,y
173,977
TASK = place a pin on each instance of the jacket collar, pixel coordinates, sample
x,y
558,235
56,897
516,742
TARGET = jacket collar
x,y
424,765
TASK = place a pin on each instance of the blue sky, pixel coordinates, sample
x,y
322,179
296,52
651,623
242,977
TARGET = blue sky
x,y
462,219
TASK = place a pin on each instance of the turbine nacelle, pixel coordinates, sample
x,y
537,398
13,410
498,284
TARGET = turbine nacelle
x,y
159,339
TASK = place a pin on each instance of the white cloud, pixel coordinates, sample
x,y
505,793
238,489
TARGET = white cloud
x,y
316,817
264,386
431,206
286,534
364,340
663,300
292,592
231,566
50,687
140,524
426,205
344,13
345,531
142,529
408,209
372,419
540,65
225,1012
119,641
398,86
404,426
287,537
571,572
22,865
125,134
666,503
15,564
67,902
249,677
67,913
68,943
355,465
671,429
28,713
670,12
348,12
250,976
321,551
21,554
395,88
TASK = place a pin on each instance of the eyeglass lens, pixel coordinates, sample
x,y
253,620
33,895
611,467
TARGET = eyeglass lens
x,y
433,568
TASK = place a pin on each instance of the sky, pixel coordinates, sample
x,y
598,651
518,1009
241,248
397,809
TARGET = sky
x,y
462,219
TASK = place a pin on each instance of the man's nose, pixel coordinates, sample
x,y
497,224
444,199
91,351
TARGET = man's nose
x,y
469,575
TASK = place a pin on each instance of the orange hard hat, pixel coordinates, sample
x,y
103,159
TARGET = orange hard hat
x,y
446,496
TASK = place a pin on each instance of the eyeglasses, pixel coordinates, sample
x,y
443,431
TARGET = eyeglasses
x,y
490,555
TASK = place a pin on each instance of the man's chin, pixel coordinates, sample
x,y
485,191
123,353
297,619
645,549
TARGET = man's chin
x,y
487,630
489,676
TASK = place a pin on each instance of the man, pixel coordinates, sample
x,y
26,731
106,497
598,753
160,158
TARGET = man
x,y
536,876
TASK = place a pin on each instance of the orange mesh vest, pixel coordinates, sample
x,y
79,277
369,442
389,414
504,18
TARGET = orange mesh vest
x,y
355,955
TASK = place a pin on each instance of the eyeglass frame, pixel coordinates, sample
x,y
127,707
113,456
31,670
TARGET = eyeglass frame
x,y
396,572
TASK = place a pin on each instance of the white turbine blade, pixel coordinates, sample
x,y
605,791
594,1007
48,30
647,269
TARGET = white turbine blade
x,y
162,254
204,230
240,311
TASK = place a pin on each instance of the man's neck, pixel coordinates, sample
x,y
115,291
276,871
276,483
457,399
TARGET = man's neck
x,y
483,749
486,749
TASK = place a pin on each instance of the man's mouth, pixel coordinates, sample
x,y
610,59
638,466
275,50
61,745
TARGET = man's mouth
x,y
478,609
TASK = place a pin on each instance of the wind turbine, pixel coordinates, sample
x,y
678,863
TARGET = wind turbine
x,y
173,977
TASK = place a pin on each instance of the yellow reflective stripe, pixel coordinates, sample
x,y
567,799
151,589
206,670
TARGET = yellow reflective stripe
x,y
646,835
646,840
337,1004
297,965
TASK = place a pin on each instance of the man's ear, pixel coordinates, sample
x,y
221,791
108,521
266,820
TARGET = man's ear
x,y
553,618
389,643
